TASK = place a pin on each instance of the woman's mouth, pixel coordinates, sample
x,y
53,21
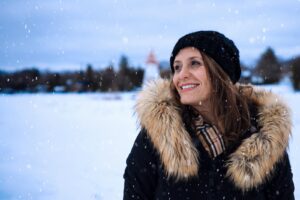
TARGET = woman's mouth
x,y
188,87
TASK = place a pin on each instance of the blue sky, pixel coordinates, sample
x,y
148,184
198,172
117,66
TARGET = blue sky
x,y
68,34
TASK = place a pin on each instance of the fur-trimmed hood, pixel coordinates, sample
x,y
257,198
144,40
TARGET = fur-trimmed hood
x,y
248,167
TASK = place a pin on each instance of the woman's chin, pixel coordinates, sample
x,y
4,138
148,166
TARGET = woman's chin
x,y
188,102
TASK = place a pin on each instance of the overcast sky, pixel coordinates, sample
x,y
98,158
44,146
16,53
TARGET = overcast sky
x,y
68,34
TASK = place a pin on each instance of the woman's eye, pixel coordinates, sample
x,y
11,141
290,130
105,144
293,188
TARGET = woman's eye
x,y
176,67
195,63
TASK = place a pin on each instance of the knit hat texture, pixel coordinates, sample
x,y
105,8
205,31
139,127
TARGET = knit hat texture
x,y
215,45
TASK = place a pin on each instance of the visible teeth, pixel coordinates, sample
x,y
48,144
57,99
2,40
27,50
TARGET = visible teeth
x,y
188,86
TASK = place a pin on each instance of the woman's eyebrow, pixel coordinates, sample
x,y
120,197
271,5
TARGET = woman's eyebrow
x,y
193,57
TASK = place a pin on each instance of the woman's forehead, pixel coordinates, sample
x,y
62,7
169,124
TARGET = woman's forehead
x,y
187,53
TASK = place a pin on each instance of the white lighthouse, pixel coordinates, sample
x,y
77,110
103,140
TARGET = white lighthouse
x,y
151,69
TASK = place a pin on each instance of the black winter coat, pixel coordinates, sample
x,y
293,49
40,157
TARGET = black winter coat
x,y
168,162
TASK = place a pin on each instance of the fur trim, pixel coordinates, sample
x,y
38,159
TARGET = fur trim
x,y
159,114
252,163
248,167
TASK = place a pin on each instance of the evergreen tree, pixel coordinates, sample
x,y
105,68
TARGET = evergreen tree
x,y
123,79
124,66
268,67
90,79
296,73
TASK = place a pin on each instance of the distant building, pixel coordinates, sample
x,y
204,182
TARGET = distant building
x,y
151,69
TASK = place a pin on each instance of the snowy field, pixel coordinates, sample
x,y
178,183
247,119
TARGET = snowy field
x,y
74,146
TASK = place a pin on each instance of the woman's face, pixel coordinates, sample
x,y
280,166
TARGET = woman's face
x,y
191,78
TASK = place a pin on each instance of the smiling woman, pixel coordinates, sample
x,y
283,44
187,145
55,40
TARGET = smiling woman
x,y
191,78
204,136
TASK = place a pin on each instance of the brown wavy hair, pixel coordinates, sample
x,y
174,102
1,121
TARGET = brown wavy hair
x,y
230,107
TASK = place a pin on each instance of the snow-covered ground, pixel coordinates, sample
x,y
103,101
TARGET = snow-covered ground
x,y
74,146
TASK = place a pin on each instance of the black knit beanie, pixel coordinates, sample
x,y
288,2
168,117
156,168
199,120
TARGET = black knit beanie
x,y
215,45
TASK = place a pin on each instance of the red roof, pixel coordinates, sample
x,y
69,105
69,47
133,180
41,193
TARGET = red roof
x,y
151,59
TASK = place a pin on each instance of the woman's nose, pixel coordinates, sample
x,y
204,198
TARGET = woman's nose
x,y
184,73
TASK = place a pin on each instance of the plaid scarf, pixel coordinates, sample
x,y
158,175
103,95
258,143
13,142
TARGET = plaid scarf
x,y
209,136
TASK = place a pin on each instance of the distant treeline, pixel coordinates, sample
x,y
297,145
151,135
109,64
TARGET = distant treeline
x,y
90,80
268,69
